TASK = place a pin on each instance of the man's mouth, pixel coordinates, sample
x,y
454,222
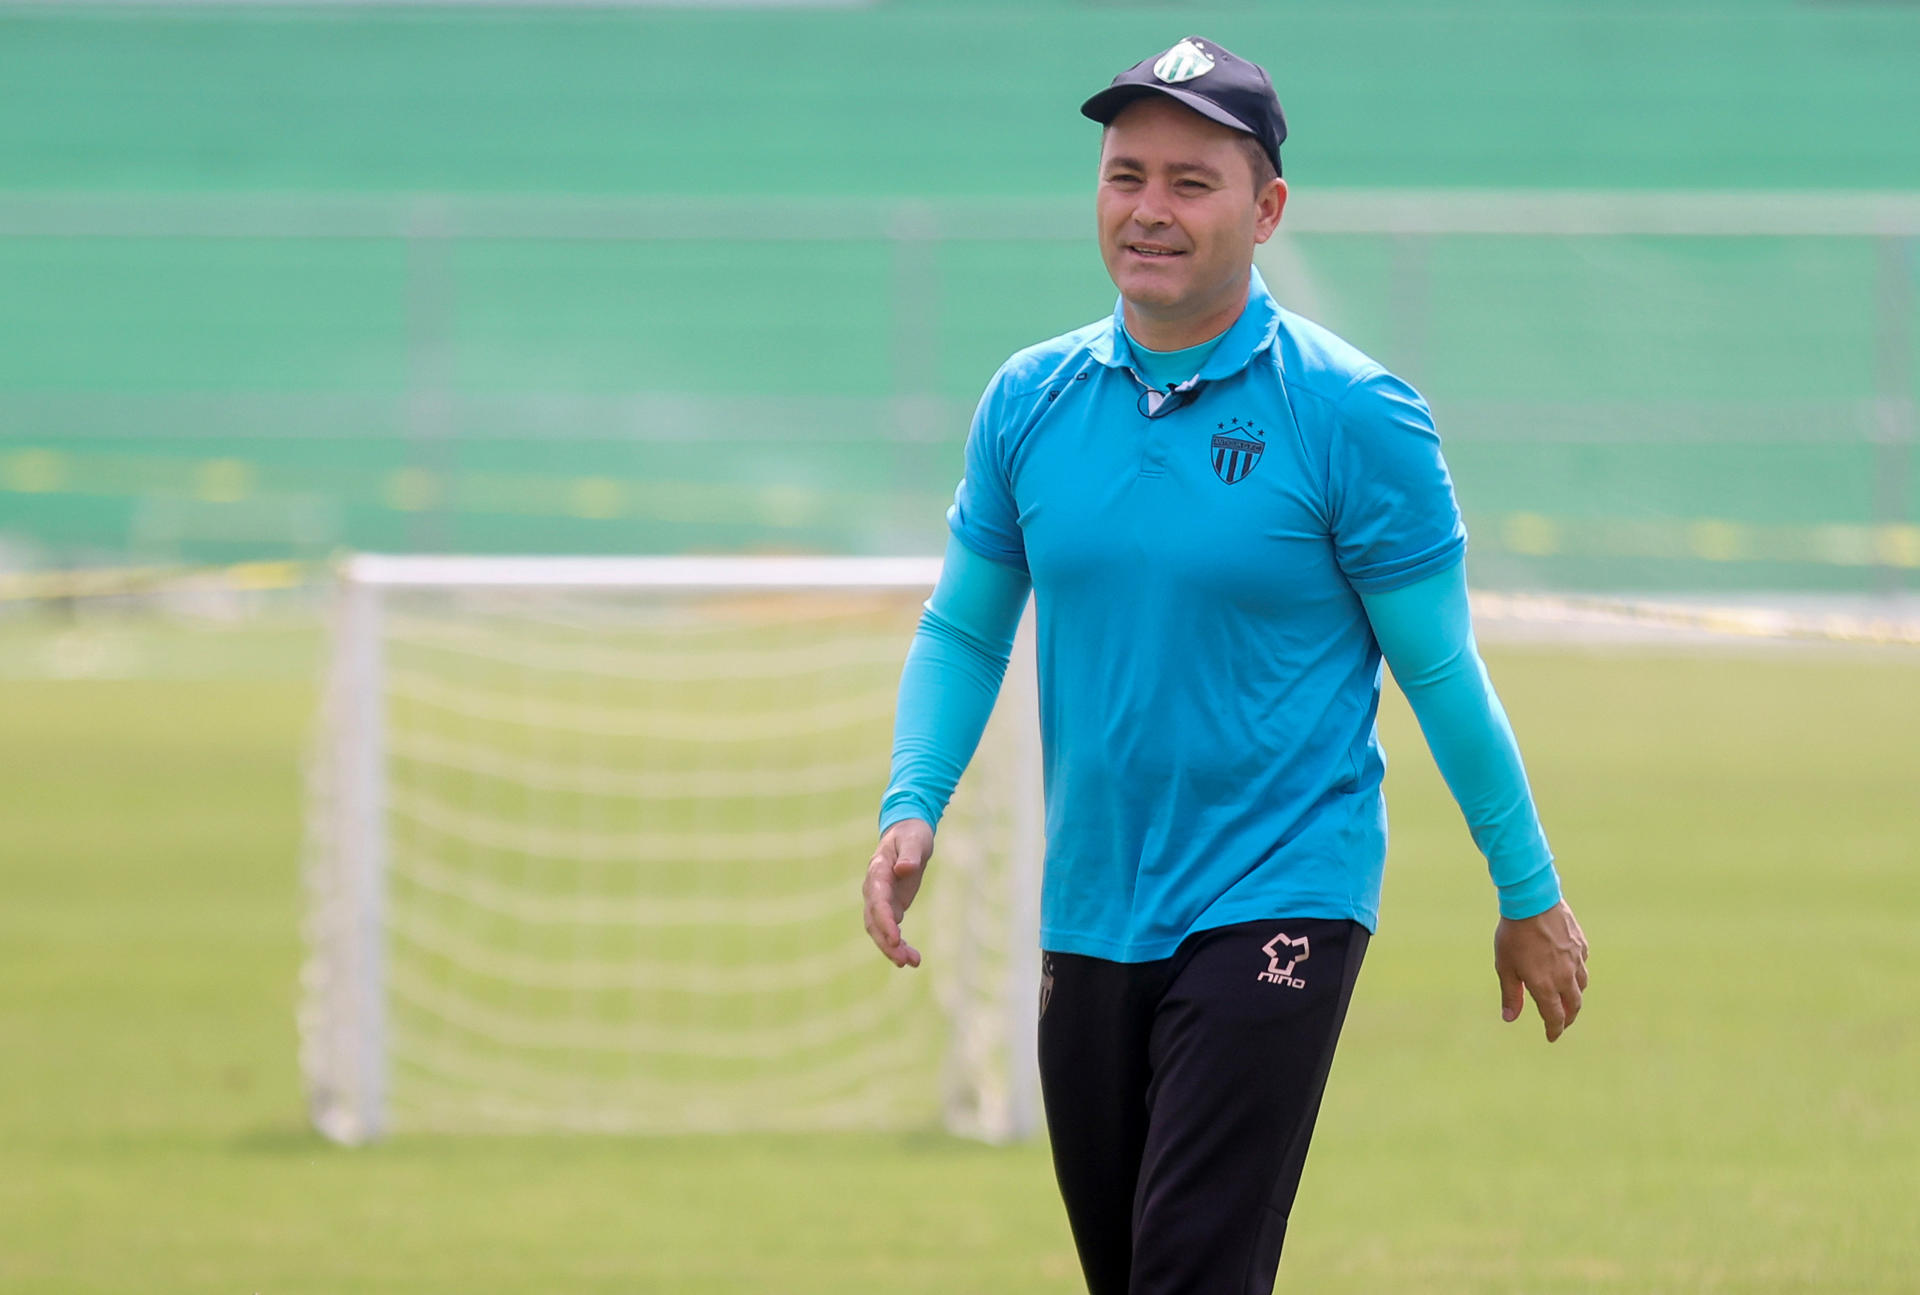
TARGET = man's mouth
x,y
1153,251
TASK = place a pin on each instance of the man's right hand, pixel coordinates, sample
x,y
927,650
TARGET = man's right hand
x,y
893,879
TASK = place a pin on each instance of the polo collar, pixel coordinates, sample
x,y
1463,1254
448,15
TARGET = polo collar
x,y
1249,335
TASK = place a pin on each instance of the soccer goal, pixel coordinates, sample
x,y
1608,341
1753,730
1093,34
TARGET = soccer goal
x,y
585,843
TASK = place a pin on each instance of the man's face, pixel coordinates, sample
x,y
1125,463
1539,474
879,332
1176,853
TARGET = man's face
x,y
1177,212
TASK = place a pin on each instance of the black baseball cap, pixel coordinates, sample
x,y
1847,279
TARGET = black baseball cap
x,y
1213,81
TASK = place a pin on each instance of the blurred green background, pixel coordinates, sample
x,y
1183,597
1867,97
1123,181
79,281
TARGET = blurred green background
x,y
275,281
278,280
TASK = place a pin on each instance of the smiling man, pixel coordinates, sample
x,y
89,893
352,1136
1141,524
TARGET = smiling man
x,y
1227,517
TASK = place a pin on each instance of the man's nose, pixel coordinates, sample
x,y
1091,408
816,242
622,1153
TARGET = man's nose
x,y
1150,209
1150,219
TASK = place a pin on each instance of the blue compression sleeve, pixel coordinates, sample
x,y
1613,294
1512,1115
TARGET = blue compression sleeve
x,y
1425,631
950,680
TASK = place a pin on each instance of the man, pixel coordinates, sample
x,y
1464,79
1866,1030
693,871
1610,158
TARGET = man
x,y
1227,516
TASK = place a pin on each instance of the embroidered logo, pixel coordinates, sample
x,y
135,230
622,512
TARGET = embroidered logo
x,y
1046,983
1236,450
1293,952
1183,62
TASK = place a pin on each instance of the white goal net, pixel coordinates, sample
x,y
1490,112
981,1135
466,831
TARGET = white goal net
x,y
584,851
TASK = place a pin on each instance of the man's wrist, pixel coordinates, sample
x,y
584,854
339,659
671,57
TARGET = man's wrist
x,y
1531,895
900,807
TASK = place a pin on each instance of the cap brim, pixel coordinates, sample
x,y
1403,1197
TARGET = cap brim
x,y
1106,105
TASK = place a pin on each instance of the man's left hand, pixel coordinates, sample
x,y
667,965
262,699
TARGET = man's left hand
x,y
1547,953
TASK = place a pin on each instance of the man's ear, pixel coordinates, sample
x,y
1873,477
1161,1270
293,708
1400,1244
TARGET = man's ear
x,y
1268,204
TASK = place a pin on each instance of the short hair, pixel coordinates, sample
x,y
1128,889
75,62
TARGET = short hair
x,y
1264,171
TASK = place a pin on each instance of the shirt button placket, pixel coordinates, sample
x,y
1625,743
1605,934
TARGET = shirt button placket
x,y
1154,433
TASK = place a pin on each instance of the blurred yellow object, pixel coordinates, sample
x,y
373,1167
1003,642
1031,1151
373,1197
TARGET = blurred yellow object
x,y
113,582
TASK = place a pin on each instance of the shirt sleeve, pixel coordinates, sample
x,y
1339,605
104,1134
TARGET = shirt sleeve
x,y
1393,514
1425,631
951,678
984,514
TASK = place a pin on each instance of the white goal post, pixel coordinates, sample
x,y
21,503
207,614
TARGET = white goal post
x,y
585,839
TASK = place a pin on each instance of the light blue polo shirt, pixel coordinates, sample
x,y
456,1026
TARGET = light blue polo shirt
x,y
1208,678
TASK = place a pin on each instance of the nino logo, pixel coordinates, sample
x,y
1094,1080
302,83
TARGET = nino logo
x,y
1283,955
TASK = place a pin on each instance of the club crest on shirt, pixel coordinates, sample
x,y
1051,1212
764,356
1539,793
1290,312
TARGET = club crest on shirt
x,y
1236,450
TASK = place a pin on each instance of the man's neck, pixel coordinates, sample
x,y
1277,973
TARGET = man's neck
x,y
1163,333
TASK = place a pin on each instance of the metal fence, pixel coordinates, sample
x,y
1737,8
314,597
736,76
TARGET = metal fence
x,y
1690,391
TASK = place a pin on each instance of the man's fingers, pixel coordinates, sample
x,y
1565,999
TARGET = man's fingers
x,y
893,879
881,924
1551,1011
885,933
1512,1000
1572,984
905,869
1570,1000
884,909
883,927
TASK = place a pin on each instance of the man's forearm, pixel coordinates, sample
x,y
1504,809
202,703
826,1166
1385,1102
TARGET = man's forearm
x,y
1425,632
949,682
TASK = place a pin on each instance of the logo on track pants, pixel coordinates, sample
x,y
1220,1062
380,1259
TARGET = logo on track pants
x,y
1283,949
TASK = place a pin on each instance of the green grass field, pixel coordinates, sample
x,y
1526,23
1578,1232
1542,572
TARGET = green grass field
x,y
1738,1110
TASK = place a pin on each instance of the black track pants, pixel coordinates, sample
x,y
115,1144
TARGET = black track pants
x,y
1181,1096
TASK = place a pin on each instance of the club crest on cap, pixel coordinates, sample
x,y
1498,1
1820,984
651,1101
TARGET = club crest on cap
x,y
1183,62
